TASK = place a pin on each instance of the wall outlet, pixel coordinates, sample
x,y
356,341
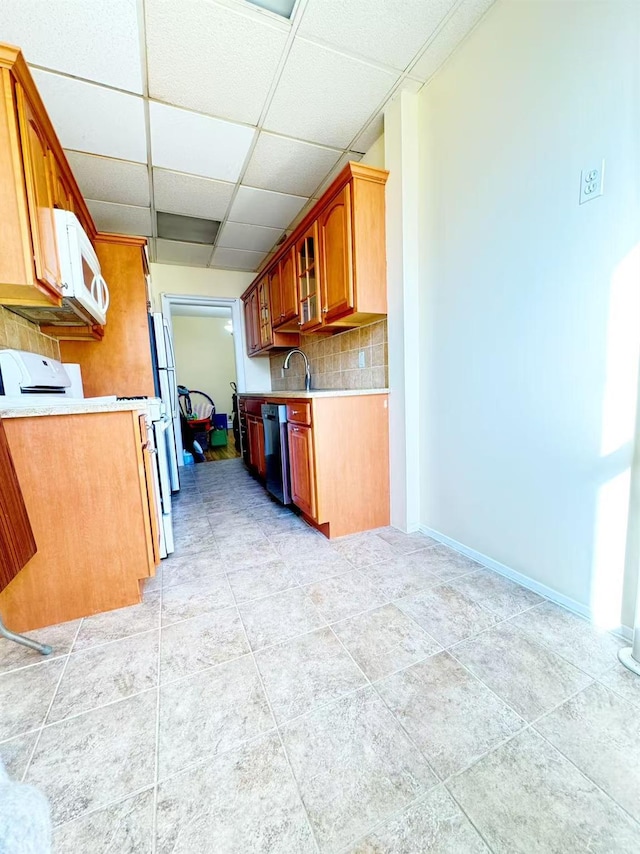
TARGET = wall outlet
x,y
591,183
361,359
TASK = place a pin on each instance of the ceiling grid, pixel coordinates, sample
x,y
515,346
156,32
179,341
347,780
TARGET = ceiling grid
x,y
221,110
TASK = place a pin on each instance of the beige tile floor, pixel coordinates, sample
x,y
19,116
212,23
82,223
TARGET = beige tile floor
x,y
277,692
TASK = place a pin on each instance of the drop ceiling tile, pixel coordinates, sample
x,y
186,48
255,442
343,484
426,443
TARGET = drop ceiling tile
x,y
120,219
452,33
93,119
175,192
110,180
175,252
237,259
337,169
97,41
390,33
262,207
288,165
369,135
212,58
237,235
201,145
298,219
324,96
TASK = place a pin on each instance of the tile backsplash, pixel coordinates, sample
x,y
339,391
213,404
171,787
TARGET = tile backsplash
x,y
335,360
20,334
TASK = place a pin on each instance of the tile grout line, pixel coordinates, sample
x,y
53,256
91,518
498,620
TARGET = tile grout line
x,y
53,696
154,817
281,740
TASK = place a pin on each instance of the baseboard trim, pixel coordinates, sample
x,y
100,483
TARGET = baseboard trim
x,y
524,580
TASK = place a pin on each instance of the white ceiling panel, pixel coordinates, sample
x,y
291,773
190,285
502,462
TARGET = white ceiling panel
x,y
288,165
337,169
176,252
176,192
189,142
369,135
324,96
211,58
237,259
120,219
262,207
110,180
390,33
237,235
456,28
97,40
93,119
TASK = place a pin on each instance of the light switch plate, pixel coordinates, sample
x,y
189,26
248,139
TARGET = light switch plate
x,y
591,183
361,359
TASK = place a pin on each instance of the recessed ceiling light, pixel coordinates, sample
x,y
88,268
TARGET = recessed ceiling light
x,y
189,229
284,8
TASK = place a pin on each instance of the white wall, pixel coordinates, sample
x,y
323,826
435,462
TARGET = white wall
x,y
209,282
205,357
530,310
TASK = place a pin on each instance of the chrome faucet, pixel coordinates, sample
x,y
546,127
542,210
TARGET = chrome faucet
x,y
307,372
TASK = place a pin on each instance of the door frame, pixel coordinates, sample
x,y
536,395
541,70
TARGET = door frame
x,y
169,300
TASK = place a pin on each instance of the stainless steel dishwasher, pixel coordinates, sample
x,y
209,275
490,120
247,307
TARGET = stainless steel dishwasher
x,y
276,451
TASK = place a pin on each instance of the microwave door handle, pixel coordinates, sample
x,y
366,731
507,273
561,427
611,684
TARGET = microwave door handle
x,y
106,297
94,290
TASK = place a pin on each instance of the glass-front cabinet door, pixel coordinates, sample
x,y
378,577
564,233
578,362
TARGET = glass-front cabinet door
x,y
308,279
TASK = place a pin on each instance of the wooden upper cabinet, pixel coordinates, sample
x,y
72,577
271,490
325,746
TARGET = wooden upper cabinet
x,y
39,185
284,292
288,287
251,321
35,178
331,273
275,293
334,232
308,273
62,192
264,313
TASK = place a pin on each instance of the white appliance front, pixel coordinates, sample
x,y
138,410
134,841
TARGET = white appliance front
x,y
82,281
168,391
159,422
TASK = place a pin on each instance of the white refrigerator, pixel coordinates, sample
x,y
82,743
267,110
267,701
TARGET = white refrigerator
x,y
165,368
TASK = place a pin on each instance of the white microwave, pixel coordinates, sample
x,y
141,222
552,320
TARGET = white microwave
x,y
84,290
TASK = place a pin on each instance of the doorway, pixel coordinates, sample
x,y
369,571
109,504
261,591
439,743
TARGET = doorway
x,y
205,344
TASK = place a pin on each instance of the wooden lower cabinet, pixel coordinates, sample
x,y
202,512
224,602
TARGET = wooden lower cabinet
x,y
338,459
91,509
17,545
255,432
302,469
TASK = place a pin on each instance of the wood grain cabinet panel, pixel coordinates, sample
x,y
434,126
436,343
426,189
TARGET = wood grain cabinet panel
x,y
264,313
39,183
334,231
17,543
275,294
302,467
288,288
120,363
257,458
